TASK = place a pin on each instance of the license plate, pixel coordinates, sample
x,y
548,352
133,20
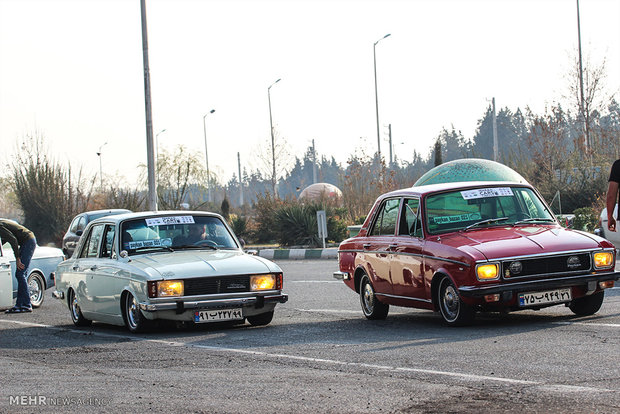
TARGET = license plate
x,y
219,315
546,297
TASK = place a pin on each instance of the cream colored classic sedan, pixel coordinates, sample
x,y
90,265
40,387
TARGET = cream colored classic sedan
x,y
133,269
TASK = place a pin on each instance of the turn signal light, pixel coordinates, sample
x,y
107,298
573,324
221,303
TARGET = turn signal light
x,y
607,284
492,298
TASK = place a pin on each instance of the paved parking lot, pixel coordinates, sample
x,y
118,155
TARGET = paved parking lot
x,y
318,355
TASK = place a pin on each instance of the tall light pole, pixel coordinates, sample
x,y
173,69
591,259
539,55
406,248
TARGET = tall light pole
x,y
157,143
100,167
273,145
374,51
204,125
150,156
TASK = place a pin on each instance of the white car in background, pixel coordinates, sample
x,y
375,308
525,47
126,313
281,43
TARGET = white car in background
x,y
612,236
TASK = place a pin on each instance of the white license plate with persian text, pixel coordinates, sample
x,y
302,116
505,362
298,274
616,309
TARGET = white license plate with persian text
x,y
546,297
219,315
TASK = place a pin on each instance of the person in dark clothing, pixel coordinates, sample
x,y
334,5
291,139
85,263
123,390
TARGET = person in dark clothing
x,y
612,194
23,243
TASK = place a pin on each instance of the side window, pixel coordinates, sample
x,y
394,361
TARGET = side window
x,y
74,225
108,241
92,244
410,223
386,220
81,224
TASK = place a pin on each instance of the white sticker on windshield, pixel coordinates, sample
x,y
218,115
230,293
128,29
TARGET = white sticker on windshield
x,y
487,192
148,243
160,221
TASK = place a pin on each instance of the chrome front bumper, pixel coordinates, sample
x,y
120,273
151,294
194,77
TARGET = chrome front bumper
x,y
180,305
342,275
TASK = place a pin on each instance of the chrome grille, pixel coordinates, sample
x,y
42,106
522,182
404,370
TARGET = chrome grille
x,y
550,265
214,285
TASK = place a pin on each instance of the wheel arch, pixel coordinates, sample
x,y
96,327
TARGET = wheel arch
x,y
439,274
357,277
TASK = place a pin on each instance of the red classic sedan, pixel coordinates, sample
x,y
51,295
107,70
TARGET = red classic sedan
x,y
459,248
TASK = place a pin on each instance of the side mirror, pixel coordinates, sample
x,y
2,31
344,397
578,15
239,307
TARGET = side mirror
x,y
242,243
124,257
79,233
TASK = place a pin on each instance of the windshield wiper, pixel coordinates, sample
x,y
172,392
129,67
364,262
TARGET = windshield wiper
x,y
153,247
533,219
197,246
491,220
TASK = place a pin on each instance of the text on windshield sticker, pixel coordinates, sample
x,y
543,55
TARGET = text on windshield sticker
x,y
456,218
487,192
148,243
161,221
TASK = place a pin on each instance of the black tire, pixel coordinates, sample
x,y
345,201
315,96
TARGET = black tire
x,y
453,311
371,306
132,315
76,313
260,319
36,288
587,305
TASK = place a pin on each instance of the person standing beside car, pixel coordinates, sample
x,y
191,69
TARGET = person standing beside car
x,y
612,194
23,243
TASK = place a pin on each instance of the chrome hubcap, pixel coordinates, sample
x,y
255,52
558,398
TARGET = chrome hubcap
x,y
450,302
75,309
368,298
36,290
132,311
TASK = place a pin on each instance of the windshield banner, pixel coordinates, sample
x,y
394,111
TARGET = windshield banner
x,y
148,243
162,221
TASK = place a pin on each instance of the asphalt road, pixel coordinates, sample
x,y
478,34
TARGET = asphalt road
x,y
319,355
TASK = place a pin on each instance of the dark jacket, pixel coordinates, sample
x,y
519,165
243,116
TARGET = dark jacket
x,y
14,234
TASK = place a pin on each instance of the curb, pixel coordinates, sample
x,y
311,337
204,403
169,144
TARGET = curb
x,y
299,254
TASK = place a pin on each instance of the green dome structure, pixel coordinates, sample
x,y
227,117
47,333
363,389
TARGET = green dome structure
x,y
469,169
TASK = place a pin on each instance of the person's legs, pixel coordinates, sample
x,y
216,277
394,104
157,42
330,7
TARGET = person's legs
x,y
23,293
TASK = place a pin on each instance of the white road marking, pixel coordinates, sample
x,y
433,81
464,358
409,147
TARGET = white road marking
x,y
359,312
457,375
313,281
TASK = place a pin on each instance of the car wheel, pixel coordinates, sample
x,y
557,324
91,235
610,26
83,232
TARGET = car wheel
x,y
371,306
588,305
36,286
76,313
134,319
453,311
261,319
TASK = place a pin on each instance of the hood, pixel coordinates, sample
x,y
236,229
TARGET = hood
x,y
188,264
499,242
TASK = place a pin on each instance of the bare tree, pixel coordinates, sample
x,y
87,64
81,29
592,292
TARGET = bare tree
x,y
265,159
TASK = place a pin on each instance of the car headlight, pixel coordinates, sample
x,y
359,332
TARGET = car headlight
x,y
487,271
603,260
263,282
167,288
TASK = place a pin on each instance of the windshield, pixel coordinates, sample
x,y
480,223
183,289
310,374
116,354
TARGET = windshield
x,y
175,232
484,207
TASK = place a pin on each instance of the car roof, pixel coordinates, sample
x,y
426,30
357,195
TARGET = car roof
x,y
109,211
144,214
423,190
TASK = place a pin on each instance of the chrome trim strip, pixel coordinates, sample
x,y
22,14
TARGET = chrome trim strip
x,y
424,256
341,275
154,307
539,255
403,297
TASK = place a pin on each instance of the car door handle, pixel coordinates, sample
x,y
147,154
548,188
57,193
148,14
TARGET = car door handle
x,y
5,265
93,267
76,268
367,246
392,246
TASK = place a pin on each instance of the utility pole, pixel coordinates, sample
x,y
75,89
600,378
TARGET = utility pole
x,y
584,113
240,180
313,163
150,153
495,144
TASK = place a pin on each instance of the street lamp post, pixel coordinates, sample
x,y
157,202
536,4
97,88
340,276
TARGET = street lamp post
x,y
273,148
374,51
204,125
100,166
157,143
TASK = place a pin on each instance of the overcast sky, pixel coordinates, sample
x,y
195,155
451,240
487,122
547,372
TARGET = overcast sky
x,y
72,70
